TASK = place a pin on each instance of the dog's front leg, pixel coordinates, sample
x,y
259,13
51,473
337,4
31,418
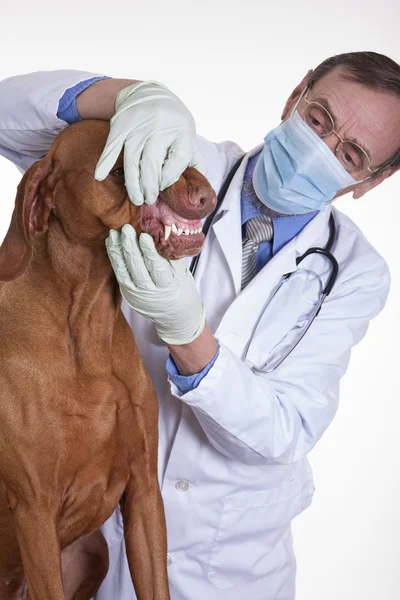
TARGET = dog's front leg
x,y
40,551
145,537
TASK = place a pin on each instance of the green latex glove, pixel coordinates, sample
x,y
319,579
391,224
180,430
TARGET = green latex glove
x,y
151,124
157,288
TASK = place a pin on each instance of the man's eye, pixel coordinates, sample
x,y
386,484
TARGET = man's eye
x,y
118,172
351,156
349,159
315,118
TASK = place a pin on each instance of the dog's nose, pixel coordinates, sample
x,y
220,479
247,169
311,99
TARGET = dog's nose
x,y
203,199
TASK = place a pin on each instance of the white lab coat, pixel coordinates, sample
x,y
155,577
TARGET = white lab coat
x,y
233,465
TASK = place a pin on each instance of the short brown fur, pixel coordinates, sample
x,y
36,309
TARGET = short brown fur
x,y
78,412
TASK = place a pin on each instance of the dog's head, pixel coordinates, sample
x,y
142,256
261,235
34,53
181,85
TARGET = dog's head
x,y
59,196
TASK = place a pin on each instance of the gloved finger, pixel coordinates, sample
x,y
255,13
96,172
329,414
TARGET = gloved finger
x,y
181,270
199,163
109,156
158,267
134,258
114,251
153,157
132,155
179,157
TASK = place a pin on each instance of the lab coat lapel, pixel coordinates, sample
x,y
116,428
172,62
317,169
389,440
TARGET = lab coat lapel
x,y
243,312
228,231
226,228
316,233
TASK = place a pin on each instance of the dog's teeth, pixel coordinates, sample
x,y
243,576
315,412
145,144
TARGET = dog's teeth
x,y
167,231
183,230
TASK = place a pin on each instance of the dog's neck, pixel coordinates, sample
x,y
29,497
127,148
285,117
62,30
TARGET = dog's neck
x,y
77,284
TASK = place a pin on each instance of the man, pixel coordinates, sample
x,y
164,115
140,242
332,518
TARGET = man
x,y
236,421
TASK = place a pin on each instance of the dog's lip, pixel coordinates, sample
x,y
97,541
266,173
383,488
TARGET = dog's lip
x,y
163,213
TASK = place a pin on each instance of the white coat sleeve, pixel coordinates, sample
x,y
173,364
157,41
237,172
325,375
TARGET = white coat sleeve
x,y
28,113
278,418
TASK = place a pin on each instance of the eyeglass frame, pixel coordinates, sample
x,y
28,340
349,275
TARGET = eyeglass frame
x,y
303,96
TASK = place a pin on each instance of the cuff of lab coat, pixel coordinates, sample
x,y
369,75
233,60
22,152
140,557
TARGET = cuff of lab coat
x,y
67,109
191,382
193,395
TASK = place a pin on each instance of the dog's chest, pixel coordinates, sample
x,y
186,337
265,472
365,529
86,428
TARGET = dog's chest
x,y
96,479
79,439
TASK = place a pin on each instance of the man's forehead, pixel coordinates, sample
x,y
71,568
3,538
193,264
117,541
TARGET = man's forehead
x,y
371,116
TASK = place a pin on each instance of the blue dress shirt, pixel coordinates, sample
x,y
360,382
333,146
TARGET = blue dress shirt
x,y
285,228
67,110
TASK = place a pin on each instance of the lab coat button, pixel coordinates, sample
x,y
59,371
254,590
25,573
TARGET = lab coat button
x,y
182,486
169,560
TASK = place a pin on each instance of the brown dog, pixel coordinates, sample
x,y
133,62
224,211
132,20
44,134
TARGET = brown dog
x,y
78,413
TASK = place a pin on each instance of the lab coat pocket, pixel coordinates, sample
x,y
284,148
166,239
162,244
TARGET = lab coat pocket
x,y
248,543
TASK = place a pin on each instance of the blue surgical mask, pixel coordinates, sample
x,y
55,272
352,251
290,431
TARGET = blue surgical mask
x,y
296,172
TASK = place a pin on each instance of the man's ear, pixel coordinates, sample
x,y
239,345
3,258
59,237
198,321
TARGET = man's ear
x,y
370,184
359,189
291,101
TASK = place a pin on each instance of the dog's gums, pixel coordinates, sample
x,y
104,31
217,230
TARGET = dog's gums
x,y
173,235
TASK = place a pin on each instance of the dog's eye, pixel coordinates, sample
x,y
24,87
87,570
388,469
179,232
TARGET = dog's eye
x,y
118,172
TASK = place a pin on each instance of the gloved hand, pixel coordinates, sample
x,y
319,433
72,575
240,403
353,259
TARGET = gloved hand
x,y
162,290
152,124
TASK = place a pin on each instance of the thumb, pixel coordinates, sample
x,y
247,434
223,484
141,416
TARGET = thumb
x,y
109,156
178,159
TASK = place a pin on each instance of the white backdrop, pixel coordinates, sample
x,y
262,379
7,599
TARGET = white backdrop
x,y
234,62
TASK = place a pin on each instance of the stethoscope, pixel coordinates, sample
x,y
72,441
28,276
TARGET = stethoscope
x,y
326,251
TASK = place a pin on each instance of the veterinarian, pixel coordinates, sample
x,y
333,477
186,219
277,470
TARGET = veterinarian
x,y
252,367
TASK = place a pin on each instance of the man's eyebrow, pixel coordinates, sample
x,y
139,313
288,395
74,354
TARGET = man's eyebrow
x,y
327,106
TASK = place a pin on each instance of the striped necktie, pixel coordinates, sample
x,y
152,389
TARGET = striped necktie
x,y
257,230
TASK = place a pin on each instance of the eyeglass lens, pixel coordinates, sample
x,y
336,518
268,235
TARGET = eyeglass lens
x,y
349,154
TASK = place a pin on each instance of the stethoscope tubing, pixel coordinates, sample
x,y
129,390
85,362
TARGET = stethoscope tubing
x,y
265,371
326,251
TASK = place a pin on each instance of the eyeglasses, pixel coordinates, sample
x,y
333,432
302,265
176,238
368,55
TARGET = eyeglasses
x,y
352,156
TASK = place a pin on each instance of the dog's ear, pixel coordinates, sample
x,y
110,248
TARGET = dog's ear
x,y
33,204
